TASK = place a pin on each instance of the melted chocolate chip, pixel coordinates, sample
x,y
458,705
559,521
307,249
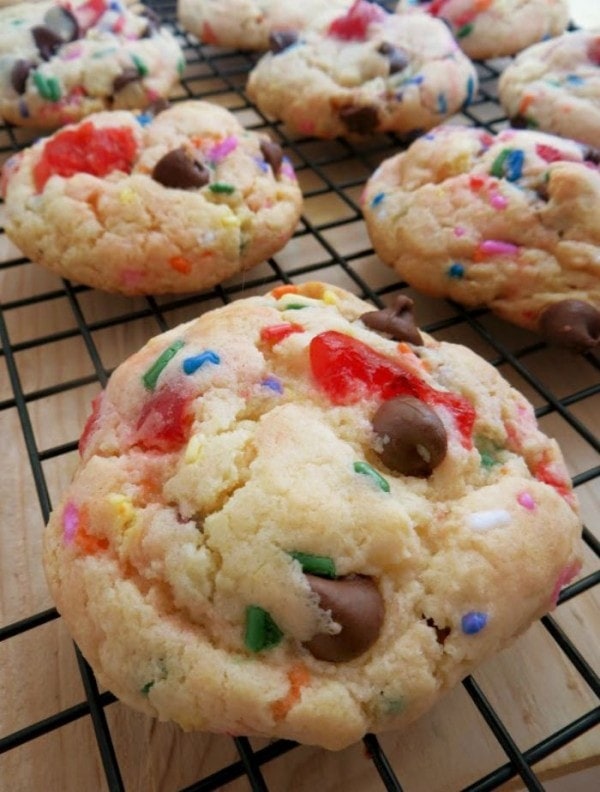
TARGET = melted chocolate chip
x,y
397,58
62,22
280,40
273,154
441,633
592,155
128,75
571,323
355,604
397,321
361,120
46,40
519,122
19,74
178,169
414,438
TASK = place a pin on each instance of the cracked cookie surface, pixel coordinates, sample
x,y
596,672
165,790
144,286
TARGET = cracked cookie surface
x,y
60,62
509,221
297,516
143,205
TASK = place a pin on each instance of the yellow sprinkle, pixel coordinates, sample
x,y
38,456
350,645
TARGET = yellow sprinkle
x,y
127,196
193,452
230,221
329,297
123,507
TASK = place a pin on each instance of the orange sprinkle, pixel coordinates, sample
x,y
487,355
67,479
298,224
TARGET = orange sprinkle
x,y
404,348
288,288
481,5
525,102
478,255
208,35
298,677
85,541
180,264
476,182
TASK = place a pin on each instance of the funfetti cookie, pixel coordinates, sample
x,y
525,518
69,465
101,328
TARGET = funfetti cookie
x,y
510,221
492,28
369,72
141,205
60,62
249,24
555,86
296,516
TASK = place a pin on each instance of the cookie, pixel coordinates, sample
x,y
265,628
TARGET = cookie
x,y
508,221
141,205
297,516
249,24
555,86
493,28
60,62
370,72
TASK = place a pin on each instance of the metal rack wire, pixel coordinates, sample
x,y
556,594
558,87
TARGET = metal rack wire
x,y
333,172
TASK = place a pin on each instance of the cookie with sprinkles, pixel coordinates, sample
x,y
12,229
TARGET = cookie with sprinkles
x,y
507,221
369,72
297,516
143,204
494,28
62,61
555,86
250,24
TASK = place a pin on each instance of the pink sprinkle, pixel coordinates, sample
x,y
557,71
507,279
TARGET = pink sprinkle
x,y
222,149
70,521
526,501
459,231
287,170
498,201
307,127
71,52
492,247
132,277
565,577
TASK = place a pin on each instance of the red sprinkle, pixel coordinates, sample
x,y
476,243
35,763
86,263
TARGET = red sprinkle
x,y
165,421
92,423
353,26
273,334
549,153
86,149
593,50
348,371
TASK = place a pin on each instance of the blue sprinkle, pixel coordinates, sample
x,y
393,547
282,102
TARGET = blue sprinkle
x,y
192,364
378,199
262,164
442,103
470,91
416,80
514,164
144,119
456,271
574,79
473,622
273,383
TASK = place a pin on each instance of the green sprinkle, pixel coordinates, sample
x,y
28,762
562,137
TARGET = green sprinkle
x,y
261,630
180,66
367,470
464,30
151,376
147,687
498,164
222,187
323,566
294,307
488,451
394,706
48,87
139,65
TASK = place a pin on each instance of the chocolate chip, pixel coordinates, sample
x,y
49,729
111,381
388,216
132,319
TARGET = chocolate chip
x,y
153,25
128,75
19,74
441,633
355,604
273,154
397,321
361,120
180,170
519,122
46,40
571,323
592,155
62,22
157,106
280,40
414,439
397,57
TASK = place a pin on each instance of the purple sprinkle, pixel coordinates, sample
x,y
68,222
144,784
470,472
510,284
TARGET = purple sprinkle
x,y
23,109
273,384
70,520
262,164
287,169
473,622
222,149
192,364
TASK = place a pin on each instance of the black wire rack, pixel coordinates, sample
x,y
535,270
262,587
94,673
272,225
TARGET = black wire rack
x,y
329,244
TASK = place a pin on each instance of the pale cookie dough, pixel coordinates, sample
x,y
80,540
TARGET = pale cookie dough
x,y
249,24
511,222
142,205
370,72
297,517
555,86
493,28
60,62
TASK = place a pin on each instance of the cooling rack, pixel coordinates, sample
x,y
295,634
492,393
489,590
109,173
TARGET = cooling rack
x,y
525,717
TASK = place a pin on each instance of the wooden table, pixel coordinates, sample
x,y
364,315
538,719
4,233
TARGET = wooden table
x,y
60,341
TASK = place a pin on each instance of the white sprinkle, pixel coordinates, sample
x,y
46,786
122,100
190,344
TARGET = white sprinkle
x,y
488,520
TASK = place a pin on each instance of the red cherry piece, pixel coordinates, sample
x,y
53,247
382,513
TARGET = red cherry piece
x,y
165,421
353,25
